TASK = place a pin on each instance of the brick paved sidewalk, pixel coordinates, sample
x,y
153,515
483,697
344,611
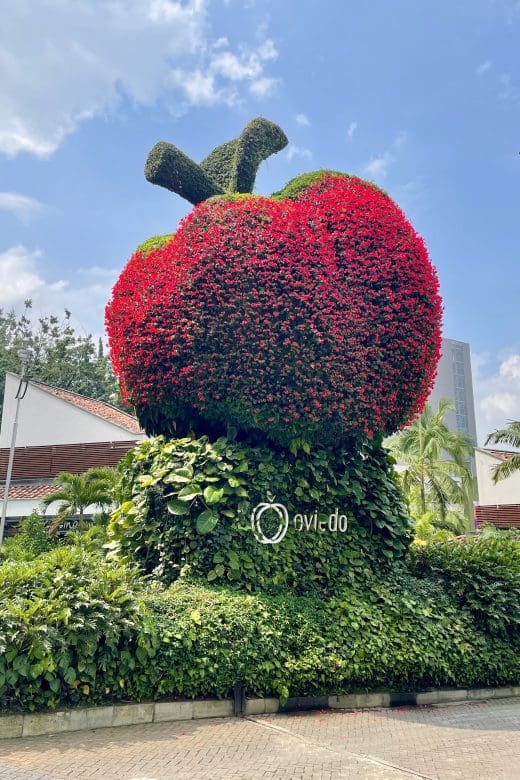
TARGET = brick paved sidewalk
x,y
472,741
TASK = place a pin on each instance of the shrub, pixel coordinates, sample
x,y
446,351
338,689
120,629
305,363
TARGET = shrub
x,y
483,573
67,627
75,630
315,316
190,503
32,539
394,633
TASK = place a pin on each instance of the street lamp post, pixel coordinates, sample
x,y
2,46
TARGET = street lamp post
x,y
24,356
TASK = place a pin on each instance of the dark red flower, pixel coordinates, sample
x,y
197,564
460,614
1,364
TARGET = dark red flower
x,y
314,318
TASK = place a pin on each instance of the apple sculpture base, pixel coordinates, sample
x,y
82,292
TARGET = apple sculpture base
x,y
259,517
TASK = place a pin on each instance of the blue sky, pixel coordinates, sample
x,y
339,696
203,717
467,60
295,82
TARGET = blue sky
x,y
422,98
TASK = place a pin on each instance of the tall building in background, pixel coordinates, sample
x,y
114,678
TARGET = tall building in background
x,y
454,383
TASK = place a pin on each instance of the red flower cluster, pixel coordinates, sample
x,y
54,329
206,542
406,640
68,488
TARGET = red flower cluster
x,y
310,318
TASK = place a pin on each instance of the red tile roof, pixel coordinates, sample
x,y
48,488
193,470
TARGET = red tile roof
x,y
499,515
44,461
502,454
27,491
101,409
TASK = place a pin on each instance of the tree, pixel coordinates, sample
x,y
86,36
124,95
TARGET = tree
x,y
510,436
57,355
95,487
434,467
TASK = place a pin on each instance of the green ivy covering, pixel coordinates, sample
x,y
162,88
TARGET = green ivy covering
x,y
190,501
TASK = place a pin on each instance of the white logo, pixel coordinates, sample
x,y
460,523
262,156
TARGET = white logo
x,y
283,517
334,523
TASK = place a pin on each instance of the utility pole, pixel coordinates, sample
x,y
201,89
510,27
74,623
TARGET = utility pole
x,y
20,393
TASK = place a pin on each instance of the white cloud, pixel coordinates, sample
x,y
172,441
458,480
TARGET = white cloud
x,y
20,277
507,89
497,391
85,296
22,206
264,87
75,61
302,120
293,151
483,67
377,167
351,129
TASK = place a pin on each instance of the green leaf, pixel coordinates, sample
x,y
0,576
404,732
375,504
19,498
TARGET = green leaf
x,y
178,508
207,521
195,616
213,495
189,492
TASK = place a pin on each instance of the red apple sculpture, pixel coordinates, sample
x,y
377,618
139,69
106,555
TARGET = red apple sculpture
x,y
312,315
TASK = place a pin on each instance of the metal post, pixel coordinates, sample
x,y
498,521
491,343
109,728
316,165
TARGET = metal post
x,y
19,395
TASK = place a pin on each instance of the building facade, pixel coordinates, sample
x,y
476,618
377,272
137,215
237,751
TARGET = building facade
x,y
57,431
454,382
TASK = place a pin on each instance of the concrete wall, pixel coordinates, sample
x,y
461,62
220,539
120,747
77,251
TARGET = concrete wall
x,y
46,419
507,491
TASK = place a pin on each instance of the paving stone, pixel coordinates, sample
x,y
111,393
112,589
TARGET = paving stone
x,y
478,740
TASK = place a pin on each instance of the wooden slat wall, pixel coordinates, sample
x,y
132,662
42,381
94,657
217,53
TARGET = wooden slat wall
x,y
45,461
501,515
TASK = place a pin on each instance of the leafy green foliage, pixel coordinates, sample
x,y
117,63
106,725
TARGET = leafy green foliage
x,y
510,436
32,539
483,574
67,623
76,492
189,502
57,355
435,468
74,629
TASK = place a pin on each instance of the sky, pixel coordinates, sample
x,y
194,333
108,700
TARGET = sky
x,y
421,98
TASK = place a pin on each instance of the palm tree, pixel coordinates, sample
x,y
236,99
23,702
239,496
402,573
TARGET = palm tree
x,y
434,465
510,436
78,491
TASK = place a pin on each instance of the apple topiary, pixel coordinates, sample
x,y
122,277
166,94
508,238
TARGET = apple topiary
x,y
310,316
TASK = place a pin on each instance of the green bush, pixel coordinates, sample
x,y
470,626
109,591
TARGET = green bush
x,y
74,629
68,623
482,573
397,633
32,539
189,505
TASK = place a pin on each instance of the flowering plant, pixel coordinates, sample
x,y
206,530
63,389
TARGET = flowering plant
x,y
313,315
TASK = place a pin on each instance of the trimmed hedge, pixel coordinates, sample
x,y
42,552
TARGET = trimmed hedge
x,y
189,506
74,629
483,575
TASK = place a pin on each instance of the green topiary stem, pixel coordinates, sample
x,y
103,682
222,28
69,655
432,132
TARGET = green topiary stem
x,y
230,168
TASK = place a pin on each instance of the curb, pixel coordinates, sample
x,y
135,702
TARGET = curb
x,y
39,724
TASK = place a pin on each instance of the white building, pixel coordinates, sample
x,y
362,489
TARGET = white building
x,y
454,382
57,431
499,503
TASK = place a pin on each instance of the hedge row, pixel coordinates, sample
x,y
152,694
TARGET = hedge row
x,y
76,629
